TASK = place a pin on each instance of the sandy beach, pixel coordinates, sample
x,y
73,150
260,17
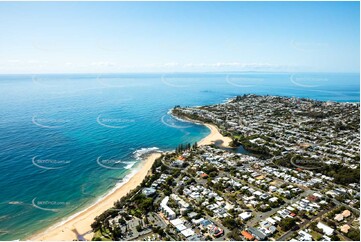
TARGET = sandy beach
x,y
80,224
214,136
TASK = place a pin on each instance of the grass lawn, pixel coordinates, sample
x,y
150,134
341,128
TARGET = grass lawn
x,y
97,234
315,235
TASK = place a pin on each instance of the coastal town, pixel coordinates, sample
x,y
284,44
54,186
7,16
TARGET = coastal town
x,y
299,180
295,132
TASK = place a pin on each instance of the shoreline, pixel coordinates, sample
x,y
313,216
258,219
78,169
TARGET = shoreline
x,y
211,138
79,223
214,136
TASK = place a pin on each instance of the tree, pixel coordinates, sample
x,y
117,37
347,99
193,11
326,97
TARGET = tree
x,y
229,222
116,233
138,228
122,221
145,220
354,234
287,223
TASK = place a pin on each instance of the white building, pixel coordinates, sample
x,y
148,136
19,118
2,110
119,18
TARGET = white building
x,y
167,211
326,229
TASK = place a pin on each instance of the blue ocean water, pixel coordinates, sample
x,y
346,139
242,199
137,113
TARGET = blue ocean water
x,y
65,140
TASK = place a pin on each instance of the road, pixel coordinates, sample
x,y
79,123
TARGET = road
x,y
303,225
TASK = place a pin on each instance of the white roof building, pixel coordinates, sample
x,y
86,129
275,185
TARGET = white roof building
x,y
176,222
167,210
187,232
303,236
326,229
245,215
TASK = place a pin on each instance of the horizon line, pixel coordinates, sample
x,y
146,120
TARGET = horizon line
x,y
181,72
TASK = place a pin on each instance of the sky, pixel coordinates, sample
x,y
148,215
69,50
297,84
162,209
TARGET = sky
x,y
116,37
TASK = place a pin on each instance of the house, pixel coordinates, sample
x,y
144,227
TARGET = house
x,y
247,235
304,236
271,220
197,221
180,202
338,217
195,237
278,219
192,215
148,191
346,213
245,215
272,188
215,231
326,229
176,222
178,163
325,238
345,228
187,233
257,234
273,199
205,223
204,175
313,198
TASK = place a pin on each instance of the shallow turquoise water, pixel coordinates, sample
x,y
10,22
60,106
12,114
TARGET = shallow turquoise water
x,y
67,139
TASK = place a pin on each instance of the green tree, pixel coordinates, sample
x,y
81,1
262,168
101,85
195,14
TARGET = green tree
x,y
287,223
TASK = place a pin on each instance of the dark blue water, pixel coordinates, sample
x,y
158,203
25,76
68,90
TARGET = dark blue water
x,y
65,140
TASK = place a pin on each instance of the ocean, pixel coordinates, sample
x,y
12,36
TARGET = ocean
x,y
66,140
